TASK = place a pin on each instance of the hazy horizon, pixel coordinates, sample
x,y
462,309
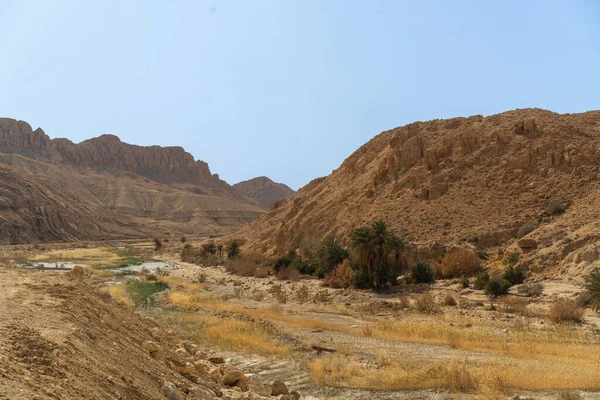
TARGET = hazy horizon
x,y
287,89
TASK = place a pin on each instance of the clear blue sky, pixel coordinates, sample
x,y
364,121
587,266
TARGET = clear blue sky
x,y
287,88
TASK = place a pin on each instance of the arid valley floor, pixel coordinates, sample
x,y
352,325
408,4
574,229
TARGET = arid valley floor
x,y
413,341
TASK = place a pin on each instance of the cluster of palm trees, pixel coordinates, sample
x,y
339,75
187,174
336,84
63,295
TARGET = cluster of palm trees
x,y
379,254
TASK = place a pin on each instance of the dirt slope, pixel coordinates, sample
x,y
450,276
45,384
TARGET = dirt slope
x,y
61,339
470,179
263,190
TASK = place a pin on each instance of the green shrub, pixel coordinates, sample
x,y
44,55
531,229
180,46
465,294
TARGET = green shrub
x,y
329,255
481,280
464,282
514,275
555,207
157,244
183,239
142,293
511,258
360,277
497,287
304,267
284,261
422,273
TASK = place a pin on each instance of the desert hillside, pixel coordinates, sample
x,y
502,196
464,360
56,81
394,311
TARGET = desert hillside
x,y
263,190
476,180
159,190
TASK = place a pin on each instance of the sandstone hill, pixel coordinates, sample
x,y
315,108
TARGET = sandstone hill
x,y
473,180
263,190
159,190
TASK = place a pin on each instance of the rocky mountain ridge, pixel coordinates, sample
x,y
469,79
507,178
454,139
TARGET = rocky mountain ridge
x,y
107,153
263,190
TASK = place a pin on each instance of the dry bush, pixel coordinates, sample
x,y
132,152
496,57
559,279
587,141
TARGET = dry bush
x,y
200,278
322,297
512,305
279,294
303,294
340,277
259,295
459,379
288,274
449,300
247,264
425,303
531,289
565,310
367,331
459,261
77,273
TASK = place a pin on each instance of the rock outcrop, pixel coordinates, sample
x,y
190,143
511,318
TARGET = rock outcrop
x,y
263,190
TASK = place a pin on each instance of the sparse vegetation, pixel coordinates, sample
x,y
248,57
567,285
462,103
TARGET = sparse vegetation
x,y
157,244
525,229
422,273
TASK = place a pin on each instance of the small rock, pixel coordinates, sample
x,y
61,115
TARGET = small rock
x,y
216,359
182,352
279,387
468,325
151,346
317,330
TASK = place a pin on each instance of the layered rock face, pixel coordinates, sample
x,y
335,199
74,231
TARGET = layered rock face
x,y
263,190
160,190
36,211
475,180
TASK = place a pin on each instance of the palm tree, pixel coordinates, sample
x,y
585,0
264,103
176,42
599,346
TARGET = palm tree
x,y
233,249
330,255
593,287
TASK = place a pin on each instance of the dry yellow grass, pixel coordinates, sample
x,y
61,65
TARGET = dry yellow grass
x,y
174,282
118,293
95,257
489,376
225,333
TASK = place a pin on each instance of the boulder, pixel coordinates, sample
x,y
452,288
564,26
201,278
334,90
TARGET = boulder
x,y
201,393
279,387
151,346
527,244
231,376
258,386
